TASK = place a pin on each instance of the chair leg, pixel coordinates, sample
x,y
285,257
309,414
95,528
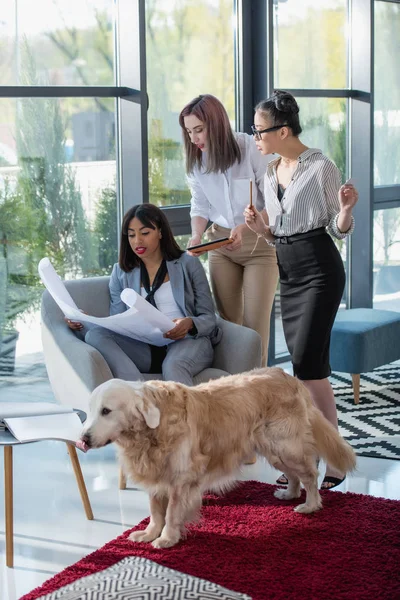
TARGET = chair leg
x,y
356,387
81,482
122,479
8,502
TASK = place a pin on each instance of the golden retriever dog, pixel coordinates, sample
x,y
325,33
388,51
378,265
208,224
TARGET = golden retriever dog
x,y
178,442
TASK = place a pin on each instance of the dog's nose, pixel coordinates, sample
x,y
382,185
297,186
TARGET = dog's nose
x,y
87,439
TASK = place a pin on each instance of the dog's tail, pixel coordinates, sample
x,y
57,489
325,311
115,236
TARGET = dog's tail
x,y
330,445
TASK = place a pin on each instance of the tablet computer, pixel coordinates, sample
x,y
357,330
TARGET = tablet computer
x,y
210,245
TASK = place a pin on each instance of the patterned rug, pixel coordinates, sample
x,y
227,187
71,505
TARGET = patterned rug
x,y
251,543
373,426
135,578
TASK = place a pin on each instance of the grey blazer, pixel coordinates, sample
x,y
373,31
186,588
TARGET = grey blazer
x,y
189,287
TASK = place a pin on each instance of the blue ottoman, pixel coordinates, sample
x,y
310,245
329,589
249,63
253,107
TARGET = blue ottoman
x,y
363,339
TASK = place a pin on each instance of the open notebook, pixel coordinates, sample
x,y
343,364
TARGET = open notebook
x,y
34,421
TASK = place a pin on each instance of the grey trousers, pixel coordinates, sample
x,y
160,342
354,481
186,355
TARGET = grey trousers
x,y
128,358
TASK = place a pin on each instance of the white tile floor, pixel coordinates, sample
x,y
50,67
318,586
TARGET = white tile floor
x,y
51,531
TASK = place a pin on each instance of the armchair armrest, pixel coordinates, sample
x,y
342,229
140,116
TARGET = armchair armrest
x,y
239,349
74,368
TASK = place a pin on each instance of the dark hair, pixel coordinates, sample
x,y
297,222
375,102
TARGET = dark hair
x,y
282,108
223,149
154,218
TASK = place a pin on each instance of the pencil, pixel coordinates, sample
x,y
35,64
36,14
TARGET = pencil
x,y
251,193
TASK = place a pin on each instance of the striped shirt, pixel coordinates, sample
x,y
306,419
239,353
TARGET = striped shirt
x,y
222,197
310,200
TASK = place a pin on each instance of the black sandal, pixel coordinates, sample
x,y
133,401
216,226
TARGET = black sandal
x,y
282,480
329,479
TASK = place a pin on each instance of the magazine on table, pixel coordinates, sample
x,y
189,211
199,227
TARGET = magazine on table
x,y
141,321
34,421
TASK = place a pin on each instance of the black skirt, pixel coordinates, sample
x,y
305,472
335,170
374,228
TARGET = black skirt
x,y
312,280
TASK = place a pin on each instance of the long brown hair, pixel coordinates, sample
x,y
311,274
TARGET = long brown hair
x,y
153,217
223,149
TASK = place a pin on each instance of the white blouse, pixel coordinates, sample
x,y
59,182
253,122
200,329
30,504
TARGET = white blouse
x,y
165,301
222,197
310,200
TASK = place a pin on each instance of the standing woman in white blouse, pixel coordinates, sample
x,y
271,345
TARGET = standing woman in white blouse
x,y
304,200
220,165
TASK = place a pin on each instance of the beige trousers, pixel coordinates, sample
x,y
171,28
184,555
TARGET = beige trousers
x,y
244,284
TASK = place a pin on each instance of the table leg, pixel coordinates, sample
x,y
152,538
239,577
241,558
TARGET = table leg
x,y
81,482
8,498
122,479
356,387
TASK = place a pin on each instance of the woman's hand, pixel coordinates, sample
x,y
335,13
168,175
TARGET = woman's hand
x,y
194,241
348,197
181,329
74,325
254,220
236,236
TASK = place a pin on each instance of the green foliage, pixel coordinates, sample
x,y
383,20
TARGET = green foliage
x,y
46,183
13,218
190,51
311,45
106,230
41,214
15,294
164,154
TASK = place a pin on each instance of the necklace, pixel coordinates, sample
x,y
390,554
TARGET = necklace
x,y
289,162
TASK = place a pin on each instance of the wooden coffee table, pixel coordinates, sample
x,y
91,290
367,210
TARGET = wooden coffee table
x,y
9,441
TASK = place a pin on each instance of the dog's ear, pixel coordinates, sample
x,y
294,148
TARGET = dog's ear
x,y
150,413
145,404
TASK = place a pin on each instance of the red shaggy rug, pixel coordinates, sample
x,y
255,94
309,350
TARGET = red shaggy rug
x,y
250,542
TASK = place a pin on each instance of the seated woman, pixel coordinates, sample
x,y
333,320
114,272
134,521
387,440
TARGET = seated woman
x,y
152,264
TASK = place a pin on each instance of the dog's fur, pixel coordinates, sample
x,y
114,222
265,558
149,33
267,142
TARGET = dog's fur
x,y
179,441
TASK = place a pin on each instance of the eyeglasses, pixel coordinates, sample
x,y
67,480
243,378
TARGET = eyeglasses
x,y
257,132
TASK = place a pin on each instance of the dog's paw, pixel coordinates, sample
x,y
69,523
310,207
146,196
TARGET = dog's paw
x,y
143,536
305,509
286,495
165,542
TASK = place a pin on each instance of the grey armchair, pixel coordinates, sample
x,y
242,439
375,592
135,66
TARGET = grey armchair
x,y
75,369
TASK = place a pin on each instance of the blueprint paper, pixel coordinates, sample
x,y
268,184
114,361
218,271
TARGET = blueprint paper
x,y
141,321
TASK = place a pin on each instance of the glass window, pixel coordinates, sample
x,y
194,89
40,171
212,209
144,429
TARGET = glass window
x,y
183,241
57,199
310,44
182,62
70,42
323,121
387,94
387,259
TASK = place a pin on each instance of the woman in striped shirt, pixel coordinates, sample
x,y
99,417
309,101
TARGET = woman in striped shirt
x,y
304,200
